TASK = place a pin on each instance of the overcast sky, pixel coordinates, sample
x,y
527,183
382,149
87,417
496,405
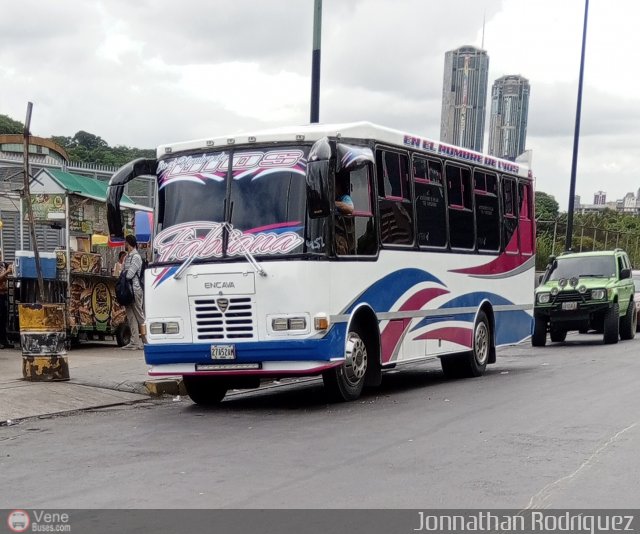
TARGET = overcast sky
x,y
153,71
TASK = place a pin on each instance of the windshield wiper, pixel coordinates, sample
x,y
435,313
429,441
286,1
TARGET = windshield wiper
x,y
185,265
593,275
245,252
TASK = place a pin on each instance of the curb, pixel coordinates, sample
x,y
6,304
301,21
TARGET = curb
x,y
165,386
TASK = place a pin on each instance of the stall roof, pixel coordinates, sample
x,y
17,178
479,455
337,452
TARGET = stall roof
x,y
82,186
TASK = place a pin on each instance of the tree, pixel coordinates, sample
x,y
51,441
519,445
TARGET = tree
x,y
10,126
89,141
547,208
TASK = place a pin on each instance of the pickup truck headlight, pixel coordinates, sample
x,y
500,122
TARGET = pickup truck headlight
x,y
598,294
543,298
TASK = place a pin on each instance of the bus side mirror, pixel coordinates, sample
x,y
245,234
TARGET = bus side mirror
x,y
124,175
317,178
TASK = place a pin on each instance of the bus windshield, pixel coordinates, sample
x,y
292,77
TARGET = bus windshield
x,y
264,201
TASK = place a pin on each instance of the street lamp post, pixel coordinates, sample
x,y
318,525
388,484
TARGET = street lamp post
x,y
576,135
315,61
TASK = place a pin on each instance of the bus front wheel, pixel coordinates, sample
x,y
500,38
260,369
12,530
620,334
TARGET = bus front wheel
x,y
345,383
205,390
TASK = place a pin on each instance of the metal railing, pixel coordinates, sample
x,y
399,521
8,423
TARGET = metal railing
x,y
550,240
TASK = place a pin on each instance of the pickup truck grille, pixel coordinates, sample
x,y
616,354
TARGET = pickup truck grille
x,y
572,296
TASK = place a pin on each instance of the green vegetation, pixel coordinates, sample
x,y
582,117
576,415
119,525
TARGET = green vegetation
x,y
603,230
89,148
85,147
9,126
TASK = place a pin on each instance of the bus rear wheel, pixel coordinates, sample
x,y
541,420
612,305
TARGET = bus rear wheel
x,y
205,390
473,363
345,383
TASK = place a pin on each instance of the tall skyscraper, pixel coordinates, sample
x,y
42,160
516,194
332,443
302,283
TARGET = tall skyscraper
x,y
464,97
509,112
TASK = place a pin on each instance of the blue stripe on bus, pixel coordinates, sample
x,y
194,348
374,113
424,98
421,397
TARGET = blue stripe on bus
x,y
384,293
330,346
511,326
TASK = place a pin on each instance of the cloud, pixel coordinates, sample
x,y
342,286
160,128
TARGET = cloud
x,y
148,72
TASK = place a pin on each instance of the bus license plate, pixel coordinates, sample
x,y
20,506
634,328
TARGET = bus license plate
x,y
569,305
223,352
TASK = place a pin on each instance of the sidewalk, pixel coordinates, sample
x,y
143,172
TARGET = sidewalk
x,y
101,374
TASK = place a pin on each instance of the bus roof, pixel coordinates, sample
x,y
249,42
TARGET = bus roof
x,y
353,130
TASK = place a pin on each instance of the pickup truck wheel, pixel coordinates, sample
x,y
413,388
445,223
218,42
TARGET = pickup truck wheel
x,y
628,322
612,325
539,336
557,335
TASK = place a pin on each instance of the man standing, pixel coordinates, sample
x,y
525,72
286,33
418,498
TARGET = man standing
x,y
5,271
135,314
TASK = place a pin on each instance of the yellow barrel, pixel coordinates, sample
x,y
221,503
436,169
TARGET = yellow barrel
x,y
43,335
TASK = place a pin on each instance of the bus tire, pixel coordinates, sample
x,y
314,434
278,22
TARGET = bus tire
x,y
612,325
539,336
473,363
628,322
205,390
345,383
123,334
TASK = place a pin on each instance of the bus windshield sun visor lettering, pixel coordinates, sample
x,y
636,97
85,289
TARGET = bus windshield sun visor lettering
x,y
234,236
126,173
318,201
351,157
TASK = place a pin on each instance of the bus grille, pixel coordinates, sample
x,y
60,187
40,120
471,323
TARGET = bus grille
x,y
223,318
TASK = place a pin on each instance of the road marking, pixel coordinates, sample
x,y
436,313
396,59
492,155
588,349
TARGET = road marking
x,y
538,500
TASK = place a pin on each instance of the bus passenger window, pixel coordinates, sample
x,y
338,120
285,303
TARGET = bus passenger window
x,y
510,215
354,226
485,188
525,224
431,210
394,198
460,207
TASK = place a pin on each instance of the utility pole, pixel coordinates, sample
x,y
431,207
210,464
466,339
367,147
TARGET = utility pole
x,y
576,136
315,61
26,196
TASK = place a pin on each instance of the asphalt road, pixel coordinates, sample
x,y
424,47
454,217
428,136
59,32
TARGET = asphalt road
x,y
545,428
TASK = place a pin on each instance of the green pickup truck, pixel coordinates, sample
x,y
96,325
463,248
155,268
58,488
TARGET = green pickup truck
x,y
585,291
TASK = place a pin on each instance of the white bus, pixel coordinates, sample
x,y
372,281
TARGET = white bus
x,y
257,275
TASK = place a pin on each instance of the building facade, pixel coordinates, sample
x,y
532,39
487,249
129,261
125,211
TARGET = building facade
x,y
464,97
509,114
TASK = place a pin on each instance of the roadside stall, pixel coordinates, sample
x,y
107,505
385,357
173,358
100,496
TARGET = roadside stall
x,y
82,279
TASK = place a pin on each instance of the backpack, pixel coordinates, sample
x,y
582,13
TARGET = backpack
x,y
124,290
145,263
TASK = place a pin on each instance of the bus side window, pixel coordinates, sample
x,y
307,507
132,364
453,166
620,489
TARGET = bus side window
x,y
525,224
394,197
460,207
510,215
431,210
355,233
485,188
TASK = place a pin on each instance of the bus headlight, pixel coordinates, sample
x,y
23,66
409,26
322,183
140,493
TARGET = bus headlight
x,y
171,328
156,328
285,324
598,294
543,298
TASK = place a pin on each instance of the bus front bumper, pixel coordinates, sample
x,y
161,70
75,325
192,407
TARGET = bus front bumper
x,y
264,358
